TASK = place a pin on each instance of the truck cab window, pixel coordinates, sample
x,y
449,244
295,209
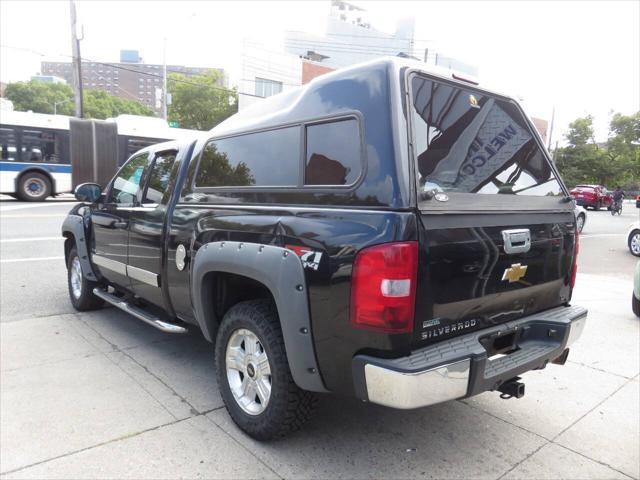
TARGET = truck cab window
x,y
159,177
126,184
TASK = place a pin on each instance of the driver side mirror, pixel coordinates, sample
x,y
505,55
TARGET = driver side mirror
x,y
88,192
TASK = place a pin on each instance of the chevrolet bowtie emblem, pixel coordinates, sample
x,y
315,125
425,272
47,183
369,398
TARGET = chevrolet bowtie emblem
x,y
514,273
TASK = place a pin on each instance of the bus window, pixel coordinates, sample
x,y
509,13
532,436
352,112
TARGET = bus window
x,y
135,144
9,151
40,146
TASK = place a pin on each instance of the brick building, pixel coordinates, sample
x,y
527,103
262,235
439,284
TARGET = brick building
x,y
131,80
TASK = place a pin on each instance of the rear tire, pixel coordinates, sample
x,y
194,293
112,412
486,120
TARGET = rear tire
x,y
598,206
80,289
253,373
34,187
635,305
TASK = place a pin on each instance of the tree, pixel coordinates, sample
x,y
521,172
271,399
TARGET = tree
x,y
199,102
617,161
623,147
581,132
100,104
41,97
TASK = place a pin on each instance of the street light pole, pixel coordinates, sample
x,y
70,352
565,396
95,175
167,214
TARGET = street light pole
x,y
77,61
553,117
164,79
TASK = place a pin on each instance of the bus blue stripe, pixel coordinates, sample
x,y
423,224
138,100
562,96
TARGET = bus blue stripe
x,y
19,166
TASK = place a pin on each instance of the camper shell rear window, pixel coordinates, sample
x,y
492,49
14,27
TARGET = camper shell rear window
x,y
469,141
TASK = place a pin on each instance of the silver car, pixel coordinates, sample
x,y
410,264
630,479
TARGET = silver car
x,y
581,217
633,239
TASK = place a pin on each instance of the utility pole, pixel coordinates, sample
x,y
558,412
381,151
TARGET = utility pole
x,y
77,61
426,55
164,79
553,116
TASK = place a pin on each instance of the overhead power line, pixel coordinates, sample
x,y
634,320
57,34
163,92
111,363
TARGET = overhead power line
x,y
343,44
367,36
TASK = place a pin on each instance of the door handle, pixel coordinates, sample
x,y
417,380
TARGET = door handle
x,y
120,224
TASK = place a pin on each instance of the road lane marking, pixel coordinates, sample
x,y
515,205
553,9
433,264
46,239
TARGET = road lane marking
x,y
9,208
29,239
45,215
36,259
592,235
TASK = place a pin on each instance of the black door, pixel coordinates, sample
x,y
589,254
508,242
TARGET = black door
x,y
146,229
111,221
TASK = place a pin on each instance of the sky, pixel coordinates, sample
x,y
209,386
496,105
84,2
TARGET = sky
x,y
577,57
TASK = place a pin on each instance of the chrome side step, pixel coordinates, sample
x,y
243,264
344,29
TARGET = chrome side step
x,y
138,312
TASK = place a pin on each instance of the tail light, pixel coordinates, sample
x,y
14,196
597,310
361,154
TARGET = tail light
x,y
574,267
383,289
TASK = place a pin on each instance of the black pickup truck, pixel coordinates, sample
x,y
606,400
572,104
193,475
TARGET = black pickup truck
x,y
384,232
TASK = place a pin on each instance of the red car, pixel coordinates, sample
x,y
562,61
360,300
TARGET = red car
x,y
594,196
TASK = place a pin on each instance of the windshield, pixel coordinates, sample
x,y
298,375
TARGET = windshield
x,y
474,143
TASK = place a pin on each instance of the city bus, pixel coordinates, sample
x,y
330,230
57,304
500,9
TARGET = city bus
x,y
34,155
35,158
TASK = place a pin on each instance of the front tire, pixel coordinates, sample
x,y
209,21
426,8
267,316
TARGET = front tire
x,y
580,222
80,289
635,305
34,187
634,243
253,373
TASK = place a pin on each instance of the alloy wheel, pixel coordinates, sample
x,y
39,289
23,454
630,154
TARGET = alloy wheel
x,y
634,243
76,277
248,371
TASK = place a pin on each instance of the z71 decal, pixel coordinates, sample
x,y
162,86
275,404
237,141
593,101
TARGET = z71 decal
x,y
310,258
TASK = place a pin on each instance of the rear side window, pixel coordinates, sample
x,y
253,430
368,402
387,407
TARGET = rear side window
x,y
263,159
472,142
159,177
333,155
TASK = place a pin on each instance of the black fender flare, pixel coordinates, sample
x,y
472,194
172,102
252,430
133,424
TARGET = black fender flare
x,y
74,225
281,271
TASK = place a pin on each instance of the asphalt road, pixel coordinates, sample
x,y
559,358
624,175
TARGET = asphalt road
x,y
100,394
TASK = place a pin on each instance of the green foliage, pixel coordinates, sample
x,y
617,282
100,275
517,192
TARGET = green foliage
x,y
100,104
615,162
199,102
40,97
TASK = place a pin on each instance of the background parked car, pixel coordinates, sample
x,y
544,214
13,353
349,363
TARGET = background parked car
x,y
633,239
638,201
581,217
593,196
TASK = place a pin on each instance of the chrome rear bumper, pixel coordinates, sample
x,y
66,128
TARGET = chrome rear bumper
x,y
460,367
